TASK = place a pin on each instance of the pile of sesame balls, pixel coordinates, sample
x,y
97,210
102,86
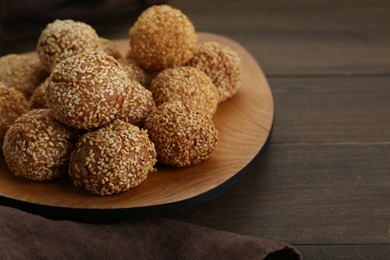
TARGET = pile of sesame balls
x,y
80,108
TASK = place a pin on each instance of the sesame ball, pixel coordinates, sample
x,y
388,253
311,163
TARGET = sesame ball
x,y
112,159
182,135
12,105
134,71
162,37
107,46
22,72
221,64
186,84
37,146
87,90
65,38
38,98
137,105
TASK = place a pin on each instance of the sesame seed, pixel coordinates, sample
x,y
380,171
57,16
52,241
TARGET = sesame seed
x,y
186,84
86,104
162,37
109,171
21,72
12,105
221,64
137,105
196,142
62,39
30,156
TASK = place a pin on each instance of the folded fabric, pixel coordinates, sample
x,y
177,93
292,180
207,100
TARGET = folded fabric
x,y
27,236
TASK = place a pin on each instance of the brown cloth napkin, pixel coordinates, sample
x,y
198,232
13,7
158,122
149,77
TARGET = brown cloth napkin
x,y
27,236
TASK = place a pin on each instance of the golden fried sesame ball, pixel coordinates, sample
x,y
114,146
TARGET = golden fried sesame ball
x,y
182,135
65,38
186,84
162,37
12,105
134,71
107,46
38,98
87,90
137,105
37,146
22,72
112,159
221,64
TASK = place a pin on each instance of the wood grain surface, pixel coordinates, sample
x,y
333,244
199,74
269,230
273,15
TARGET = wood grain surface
x,y
323,183
244,123
308,194
331,109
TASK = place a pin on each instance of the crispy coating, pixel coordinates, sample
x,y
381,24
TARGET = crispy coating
x,y
182,135
112,159
87,90
12,105
65,38
221,64
37,146
186,84
38,98
107,46
22,72
137,105
134,71
162,37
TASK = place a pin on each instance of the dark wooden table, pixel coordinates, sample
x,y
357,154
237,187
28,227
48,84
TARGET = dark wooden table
x,y
323,183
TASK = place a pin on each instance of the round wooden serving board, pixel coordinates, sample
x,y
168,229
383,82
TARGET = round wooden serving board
x,y
244,123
